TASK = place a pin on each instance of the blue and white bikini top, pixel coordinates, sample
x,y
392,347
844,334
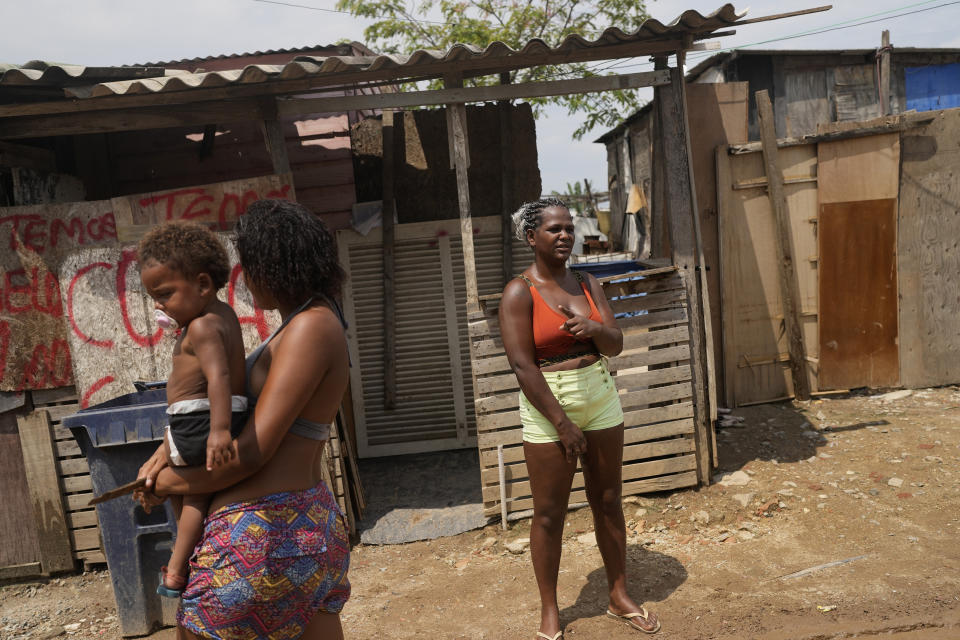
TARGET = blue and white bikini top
x,y
301,426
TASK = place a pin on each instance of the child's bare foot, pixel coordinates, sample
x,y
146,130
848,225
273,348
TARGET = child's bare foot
x,y
171,584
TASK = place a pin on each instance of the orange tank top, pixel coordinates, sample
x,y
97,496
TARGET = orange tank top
x,y
551,342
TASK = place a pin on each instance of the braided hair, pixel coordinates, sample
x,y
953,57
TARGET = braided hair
x,y
287,250
528,216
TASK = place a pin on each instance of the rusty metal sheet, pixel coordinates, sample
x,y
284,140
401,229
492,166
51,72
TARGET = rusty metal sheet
x,y
858,294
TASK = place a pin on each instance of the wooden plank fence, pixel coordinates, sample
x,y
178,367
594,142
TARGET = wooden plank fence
x,y
652,375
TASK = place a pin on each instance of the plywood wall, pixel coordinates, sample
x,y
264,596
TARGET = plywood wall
x,y
929,253
754,338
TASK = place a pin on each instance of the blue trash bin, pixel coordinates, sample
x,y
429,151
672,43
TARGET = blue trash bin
x,y
117,437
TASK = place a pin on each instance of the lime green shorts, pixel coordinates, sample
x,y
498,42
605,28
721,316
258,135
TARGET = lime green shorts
x,y
588,396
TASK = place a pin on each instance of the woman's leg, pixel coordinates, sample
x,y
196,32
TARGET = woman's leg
x,y
324,626
602,467
550,478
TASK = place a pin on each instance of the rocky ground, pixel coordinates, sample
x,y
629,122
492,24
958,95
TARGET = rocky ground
x,y
837,518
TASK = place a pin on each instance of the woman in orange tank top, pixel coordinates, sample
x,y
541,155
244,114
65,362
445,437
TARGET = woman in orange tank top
x,y
556,326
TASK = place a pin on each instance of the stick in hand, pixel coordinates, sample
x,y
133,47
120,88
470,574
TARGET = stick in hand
x,y
122,490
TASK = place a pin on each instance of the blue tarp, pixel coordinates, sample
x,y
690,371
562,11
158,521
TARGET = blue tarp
x,y
934,87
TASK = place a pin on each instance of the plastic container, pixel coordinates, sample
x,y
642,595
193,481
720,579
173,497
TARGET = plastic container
x,y
117,437
604,269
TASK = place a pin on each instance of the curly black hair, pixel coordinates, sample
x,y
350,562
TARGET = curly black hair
x,y
288,251
527,217
187,247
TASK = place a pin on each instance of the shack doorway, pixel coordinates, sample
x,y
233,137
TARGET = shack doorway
x,y
858,194
433,410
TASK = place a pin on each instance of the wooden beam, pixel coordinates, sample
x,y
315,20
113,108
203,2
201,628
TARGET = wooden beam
x,y
681,210
789,281
780,16
272,130
457,133
451,315
506,183
459,94
67,124
885,73
389,266
711,379
844,131
334,81
40,468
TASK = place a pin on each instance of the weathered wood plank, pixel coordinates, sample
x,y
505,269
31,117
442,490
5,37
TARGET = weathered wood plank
x,y
25,570
635,487
640,418
789,286
636,471
388,250
645,397
85,539
73,466
40,467
81,519
512,455
457,136
49,396
652,357
453,337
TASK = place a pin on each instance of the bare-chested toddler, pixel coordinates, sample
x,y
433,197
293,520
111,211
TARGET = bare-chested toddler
x,y
182,266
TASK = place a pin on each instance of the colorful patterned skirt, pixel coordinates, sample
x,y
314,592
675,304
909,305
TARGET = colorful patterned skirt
x,y
264,568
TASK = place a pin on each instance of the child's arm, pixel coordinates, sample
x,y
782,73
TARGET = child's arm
x,y
208,344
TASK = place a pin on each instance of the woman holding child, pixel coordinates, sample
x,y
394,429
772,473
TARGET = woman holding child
x,y
273,556
556,325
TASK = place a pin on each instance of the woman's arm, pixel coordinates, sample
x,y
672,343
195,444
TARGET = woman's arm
x,y
298,365
609,340
516,331
606,335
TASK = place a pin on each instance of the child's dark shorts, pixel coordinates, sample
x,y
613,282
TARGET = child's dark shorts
x,y
190,427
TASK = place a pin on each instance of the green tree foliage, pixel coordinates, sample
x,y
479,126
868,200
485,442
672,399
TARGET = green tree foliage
x,y
402,26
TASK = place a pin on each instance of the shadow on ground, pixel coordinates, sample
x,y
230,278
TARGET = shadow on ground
x,y
421,496
780,431
651,577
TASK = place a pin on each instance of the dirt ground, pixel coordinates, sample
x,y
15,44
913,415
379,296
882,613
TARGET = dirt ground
x,y
859,478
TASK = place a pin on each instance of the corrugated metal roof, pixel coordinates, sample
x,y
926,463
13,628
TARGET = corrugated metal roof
x,y
145,80
56,74
249,54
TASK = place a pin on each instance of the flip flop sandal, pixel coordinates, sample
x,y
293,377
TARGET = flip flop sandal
x,y
628,618
164,590
559,635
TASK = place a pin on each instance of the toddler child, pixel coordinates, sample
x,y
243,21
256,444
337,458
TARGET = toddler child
x,y
182,266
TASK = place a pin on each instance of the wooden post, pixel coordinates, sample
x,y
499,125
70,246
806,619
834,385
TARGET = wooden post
x,y
506,182
789,284
704,292
681,209
458,142
40,468
273,136
884,80
389,267
502,476
453,338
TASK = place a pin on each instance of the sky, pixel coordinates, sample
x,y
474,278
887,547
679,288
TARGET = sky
x,y
112,32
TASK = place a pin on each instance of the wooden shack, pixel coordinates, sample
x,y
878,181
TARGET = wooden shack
x,y
96,157
50,107
809,91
